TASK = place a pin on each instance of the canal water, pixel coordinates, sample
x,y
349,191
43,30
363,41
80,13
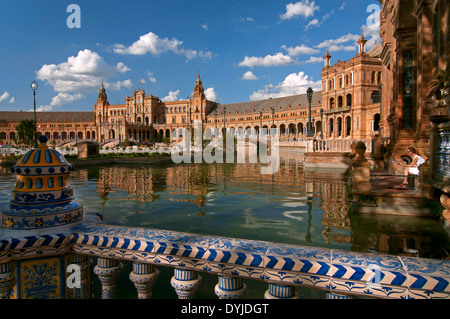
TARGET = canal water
x,y
235,200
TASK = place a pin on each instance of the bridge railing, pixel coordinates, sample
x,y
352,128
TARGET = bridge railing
x,y
342,274
336,145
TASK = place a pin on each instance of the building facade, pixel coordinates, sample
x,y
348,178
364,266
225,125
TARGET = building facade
x,y
415,73
351,95
347,107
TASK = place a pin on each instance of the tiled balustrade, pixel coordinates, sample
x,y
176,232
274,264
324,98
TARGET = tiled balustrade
x,y
283,267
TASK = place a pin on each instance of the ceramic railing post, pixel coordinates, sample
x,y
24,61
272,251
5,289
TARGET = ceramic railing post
x,y
280,292
108,271
144,276
332,295
185,283
6,277
84,262
230,288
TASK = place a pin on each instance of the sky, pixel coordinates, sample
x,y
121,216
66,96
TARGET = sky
x,y
242,50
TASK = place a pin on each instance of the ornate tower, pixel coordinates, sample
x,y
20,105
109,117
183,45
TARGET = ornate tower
x,y
327,59
100,108
362,44
198,112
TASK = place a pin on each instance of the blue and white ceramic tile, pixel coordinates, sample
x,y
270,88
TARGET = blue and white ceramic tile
x,y
427,278
237,257
307,266
368,274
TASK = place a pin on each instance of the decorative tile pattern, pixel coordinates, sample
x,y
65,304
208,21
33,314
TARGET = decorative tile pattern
x,y
333,270
298,265
42,197
427,278
336,271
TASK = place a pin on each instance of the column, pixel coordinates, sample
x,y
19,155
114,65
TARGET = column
x,y
6,278
84,289
108,271
185,283
144,276
280,292
230,288
332,295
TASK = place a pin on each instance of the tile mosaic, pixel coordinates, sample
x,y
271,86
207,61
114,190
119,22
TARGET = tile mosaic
x,y
427,278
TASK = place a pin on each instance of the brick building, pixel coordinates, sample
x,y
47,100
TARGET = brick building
x,y
348,106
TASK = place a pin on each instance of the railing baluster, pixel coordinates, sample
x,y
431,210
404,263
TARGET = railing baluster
x,y
6,278
84,262
144,276
276,291
108,271
230,288
185,283
332,295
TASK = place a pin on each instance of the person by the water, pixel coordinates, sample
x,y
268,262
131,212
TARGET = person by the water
x,y
412,168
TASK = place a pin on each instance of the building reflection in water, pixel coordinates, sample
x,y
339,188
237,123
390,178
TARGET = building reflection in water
x,y
291,206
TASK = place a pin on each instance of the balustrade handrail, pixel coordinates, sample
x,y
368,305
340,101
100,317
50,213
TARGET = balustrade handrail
x,y
338,145
335,271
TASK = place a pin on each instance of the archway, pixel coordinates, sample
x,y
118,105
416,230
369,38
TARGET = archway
x,y
330,127
348,125
376,122
339,126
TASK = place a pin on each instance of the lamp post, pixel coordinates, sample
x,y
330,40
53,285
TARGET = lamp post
x,y
309,131
34,86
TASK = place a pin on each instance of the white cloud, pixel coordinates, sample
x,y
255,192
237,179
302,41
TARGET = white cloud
x,y
122,68
269,60
205,26
313,59
344,43
4,96
211,94
60,99
153,44
151,77
293,84
118,85
11,101
249,76
241,19
342,6
312,23
300,49
173,96
302,8
83,73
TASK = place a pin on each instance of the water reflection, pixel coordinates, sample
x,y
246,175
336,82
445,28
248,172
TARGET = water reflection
x,y
236,200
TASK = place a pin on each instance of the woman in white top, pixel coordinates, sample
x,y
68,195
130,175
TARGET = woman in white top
x,y
413,167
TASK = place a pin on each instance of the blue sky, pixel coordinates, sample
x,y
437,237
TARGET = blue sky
x,y
243,50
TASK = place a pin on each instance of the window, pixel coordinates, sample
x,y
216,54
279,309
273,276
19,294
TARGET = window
x,y
349,100
332,103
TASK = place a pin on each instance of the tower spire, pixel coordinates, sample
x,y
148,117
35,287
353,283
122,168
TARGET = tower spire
x,y
362,43
327,58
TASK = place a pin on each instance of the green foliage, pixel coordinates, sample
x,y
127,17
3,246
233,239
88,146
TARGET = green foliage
x,y
25,131
430,203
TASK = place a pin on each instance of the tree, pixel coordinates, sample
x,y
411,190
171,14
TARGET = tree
x,y
25,131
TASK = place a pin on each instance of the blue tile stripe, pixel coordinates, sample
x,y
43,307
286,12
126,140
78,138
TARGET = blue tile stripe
x,y
266,259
